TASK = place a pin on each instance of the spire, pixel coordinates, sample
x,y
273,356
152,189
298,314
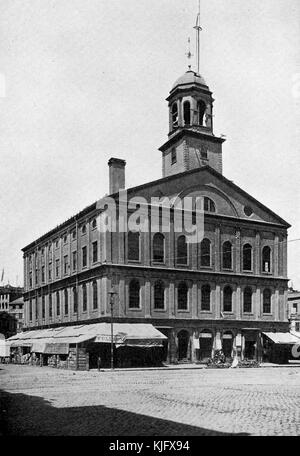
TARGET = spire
x,y
198,29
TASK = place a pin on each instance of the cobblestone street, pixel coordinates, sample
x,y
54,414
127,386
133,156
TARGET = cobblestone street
x,y
45,401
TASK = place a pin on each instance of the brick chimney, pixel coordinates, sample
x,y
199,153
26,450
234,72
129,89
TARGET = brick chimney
x,y
116,174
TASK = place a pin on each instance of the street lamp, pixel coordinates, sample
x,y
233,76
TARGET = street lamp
x,y
112,294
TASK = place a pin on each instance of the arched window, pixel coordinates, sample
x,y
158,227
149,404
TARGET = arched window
x,y
266,259
187,112
95,295
133,246
247,300
134,294
175,115
66,302
267,301
205,259
159,295
227,255
84,298
247,257
182,254
83,229
57,303
182,296
205,297
201,108
75,300
227,299
158,248
209,205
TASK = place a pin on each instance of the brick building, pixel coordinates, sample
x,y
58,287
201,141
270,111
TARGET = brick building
x,y
16,309
9,293
224,291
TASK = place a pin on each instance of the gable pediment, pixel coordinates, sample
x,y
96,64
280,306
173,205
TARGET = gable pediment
x,y
230,200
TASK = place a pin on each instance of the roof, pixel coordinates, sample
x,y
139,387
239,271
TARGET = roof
x,y
282,338
19,300
93,207
189,78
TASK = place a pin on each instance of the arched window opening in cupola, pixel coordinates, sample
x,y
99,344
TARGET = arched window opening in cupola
x,y
187,113
201,108
175,115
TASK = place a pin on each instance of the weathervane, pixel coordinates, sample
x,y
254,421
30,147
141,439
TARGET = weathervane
x,y
188,53
198,29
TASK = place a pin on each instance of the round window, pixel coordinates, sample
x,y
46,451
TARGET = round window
x,y
248,210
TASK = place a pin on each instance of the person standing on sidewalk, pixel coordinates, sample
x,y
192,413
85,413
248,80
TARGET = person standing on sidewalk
x,y
99,362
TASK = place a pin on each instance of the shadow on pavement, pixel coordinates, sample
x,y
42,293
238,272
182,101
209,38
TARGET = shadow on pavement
x,y
22,414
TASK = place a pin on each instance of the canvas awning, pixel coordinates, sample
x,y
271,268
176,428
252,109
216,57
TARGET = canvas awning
x,y
20,343
56,348
282,338
130,334
57,340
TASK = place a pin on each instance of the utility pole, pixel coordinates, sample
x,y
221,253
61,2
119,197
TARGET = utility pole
x,y
112,294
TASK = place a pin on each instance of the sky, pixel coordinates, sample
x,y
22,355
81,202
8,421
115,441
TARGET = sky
x,y
85,80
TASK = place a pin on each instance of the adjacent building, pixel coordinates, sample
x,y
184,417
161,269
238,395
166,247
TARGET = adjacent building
x,y
16,309
9,293
294,310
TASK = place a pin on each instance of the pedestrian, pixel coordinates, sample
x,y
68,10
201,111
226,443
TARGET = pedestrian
x,y
99,362
235,361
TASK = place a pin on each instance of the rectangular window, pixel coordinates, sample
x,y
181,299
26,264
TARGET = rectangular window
x,y
50,305
30,310
36,276
74,261
36,309
133,243
30,280
57,268
66,264
95,252
43,274
50,271
297,326
43,307
173,156
84,257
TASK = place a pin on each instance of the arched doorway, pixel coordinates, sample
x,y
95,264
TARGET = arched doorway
x,y
183,345
227,343
205,345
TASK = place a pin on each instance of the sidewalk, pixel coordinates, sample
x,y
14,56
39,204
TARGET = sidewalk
x,y
169,367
